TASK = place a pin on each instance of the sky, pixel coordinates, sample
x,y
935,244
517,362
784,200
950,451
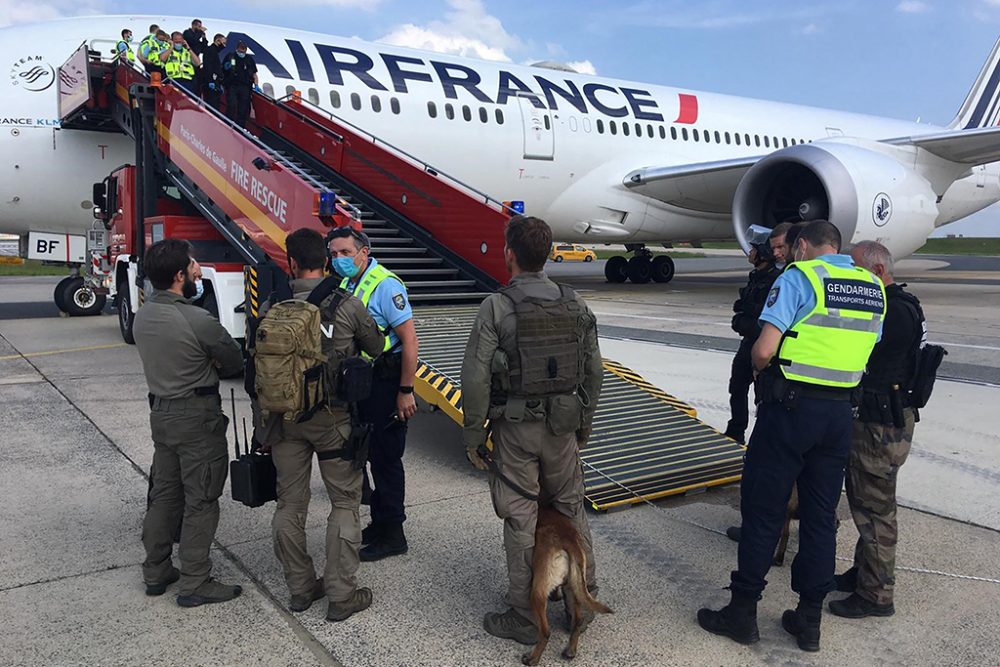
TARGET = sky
x,y
909,59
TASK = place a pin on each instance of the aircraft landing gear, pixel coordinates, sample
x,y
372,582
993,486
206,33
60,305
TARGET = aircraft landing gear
x,y
641,268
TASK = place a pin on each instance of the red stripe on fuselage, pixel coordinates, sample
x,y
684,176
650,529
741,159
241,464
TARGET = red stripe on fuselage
x,y
688,113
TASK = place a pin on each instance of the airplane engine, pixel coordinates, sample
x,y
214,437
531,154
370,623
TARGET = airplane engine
x,y
867,193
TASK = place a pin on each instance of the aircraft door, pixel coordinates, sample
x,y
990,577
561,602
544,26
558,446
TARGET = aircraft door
x,y
539,131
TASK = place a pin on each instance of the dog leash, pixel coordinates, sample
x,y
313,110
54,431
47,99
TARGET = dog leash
x,y
902,568
487,456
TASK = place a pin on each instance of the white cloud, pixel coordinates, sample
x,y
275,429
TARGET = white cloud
x,y
367,5
13,12
708,14
915,7
467,30
583,67
811,29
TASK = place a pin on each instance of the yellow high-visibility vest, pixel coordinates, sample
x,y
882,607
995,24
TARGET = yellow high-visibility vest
x,y
179,65
830,346
366,287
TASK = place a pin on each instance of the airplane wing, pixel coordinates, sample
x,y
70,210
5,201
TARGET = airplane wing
x,y
972,147
703,186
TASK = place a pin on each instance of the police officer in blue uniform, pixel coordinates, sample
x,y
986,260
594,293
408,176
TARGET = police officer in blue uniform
x,y
392,401
821,320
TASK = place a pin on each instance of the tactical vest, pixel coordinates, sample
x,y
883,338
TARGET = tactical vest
x,y
895,366
830,346
129,55
179,65
366,287
544,358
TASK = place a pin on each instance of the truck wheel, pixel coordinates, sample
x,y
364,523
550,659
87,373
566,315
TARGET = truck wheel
x,y
125,315
80,299
58,293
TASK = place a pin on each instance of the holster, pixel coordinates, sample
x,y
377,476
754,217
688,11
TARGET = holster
x,y
770,386
882,407
388,365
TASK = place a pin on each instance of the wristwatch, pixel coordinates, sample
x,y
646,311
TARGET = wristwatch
x,y
406,390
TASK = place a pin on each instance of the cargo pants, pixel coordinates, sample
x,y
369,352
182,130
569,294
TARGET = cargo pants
x,y
877,452
190,465
544,465
293,458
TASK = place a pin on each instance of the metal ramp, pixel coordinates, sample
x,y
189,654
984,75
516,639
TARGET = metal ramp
x,y
644,439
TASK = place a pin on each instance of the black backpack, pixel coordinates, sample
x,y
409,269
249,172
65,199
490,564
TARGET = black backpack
x,y
927,357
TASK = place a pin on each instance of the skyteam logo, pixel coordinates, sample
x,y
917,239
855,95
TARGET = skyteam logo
x,y
881,209
33,74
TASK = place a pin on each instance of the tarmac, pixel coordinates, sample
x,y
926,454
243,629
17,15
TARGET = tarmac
x,y
76,449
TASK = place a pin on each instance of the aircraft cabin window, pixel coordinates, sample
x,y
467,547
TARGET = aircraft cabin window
x,y
756,140
484,117
774,142
394,104
663,132
638,130
746,139
673,133
574,124
432,110
649,130
466,112
499,115
684,133
696,135
718,139
376,104
767,141
736,136
269,90
449,111
625,129
708,137
289,90
613,127
314,96
586,124
335,99
355,101
548,123
727,138
784,142
600,126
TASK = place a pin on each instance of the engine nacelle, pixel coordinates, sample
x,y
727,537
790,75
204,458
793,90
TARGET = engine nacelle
x,y
863,189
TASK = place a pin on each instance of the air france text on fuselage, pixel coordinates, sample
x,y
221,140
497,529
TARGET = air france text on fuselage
x,y
405,72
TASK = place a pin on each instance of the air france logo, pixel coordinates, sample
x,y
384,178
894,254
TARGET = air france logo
x,y
33,74
881,209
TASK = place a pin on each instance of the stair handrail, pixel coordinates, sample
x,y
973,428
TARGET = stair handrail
x,y
426,167
274,155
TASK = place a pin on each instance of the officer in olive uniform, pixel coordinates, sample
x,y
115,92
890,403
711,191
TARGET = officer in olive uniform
x,y
184,350
747,309
881,442
536,438
351,329
182,63
392,402
822,318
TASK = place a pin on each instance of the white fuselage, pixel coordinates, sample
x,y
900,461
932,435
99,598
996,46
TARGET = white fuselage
x,y
558,141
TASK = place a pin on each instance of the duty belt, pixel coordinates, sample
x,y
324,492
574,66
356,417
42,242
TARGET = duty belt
x,y
806,390
199,393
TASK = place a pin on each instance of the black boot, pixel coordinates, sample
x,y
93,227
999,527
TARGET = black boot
x,y
390,542
734,533
848,581
803,624
737,620
370,533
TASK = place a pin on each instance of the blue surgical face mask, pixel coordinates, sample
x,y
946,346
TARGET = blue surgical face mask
x,y
199,289
241,54
178,46
345,266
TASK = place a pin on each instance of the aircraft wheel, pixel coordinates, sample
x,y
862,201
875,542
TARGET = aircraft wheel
x,y
58,294
663,269
126,317
80,299
639,270
614,269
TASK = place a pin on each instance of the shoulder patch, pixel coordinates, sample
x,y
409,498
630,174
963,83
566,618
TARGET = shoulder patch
x,y
772,296
399,301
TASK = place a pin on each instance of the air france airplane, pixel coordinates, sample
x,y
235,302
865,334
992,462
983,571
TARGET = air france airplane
x,y
603,160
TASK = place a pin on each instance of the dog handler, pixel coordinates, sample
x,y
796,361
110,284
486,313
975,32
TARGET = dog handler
x,y
532,368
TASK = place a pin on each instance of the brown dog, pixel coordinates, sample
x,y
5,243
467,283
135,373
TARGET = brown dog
x,y
558,560
792,513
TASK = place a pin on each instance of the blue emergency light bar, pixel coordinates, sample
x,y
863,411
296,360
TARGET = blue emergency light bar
x,y
516,206
327,204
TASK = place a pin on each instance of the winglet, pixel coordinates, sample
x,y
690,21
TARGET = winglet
x,y
982,105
